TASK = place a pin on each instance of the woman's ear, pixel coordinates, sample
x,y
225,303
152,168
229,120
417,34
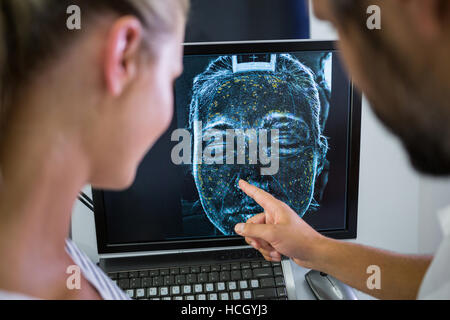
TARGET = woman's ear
x,y
122,54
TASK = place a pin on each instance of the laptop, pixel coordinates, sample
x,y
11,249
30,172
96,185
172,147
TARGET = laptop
x,y
282,115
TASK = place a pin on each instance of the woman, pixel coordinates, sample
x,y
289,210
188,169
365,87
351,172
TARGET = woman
x,y
77,107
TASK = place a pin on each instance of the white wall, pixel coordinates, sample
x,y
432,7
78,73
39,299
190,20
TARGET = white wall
x,y
434,196
321,30
83,228
388,192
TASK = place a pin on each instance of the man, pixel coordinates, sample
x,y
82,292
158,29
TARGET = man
x,y
404,69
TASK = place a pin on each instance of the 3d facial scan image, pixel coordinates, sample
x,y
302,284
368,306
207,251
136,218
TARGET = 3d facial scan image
x,y
251,94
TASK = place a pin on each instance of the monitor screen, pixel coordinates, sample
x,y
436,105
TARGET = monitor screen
x,y
279,120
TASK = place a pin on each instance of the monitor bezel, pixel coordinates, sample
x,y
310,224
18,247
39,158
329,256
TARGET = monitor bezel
x,y
354,136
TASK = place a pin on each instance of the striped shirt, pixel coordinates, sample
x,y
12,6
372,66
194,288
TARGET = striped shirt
x,y
107,289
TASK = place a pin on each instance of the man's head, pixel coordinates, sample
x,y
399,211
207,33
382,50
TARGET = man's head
x,y
285,99
403,68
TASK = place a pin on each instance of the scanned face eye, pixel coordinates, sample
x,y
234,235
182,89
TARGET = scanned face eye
x,y
294,133
249,103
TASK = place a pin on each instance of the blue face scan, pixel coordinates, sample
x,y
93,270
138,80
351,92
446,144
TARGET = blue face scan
x,y
264,91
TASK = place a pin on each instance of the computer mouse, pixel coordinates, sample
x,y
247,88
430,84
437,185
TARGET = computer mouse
x,y
326,287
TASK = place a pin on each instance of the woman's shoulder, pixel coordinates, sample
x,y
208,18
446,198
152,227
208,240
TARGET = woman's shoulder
x,y
6,295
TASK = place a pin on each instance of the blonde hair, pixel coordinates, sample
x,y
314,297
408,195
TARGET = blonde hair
x,y
34,31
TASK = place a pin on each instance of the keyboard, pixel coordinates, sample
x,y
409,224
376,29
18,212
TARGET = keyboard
x,y
243,280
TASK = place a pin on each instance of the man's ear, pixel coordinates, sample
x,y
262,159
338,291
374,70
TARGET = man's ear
x,y
122,54
323,168
430,17
322,157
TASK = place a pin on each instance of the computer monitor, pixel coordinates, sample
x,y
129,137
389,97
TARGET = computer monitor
x,y
283,116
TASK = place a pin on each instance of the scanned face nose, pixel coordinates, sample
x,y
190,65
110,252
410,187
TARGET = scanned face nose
x,y
253,102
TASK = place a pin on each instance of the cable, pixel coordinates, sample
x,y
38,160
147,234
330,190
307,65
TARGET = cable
x,y
84,199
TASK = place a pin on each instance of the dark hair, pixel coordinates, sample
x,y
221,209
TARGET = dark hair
x,y
34,31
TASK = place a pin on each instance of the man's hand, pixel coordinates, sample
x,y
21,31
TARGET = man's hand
x,y
279,230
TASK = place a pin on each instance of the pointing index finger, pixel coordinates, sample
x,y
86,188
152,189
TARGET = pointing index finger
x,y
264,199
